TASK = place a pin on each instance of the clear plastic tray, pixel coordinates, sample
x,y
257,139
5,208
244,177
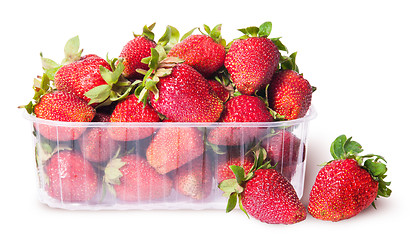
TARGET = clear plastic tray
x,y
97,165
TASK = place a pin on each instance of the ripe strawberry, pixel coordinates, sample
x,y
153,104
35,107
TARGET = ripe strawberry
x,y
251,61
131,110
242,108
130,178
186,96
134,51
194,179
289,94
81,76
172,147
219,89
64,107
96,144
347,185
101,117
223,171
264,194
205,53
70,177
284,149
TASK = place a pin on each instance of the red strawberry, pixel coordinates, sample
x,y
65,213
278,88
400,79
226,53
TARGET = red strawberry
x,y
186,96
131,110
251,62
242,108
289,94
132,179
349,184
284,149
223,171
64,107
96,144
70,177
264,194
219,89
270,198
172,147
133,53
101,117
81,76
194,179
204,53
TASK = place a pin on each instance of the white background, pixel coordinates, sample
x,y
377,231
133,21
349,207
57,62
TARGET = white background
x,y
357,53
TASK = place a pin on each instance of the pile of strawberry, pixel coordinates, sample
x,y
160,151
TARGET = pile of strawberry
x,y
197,78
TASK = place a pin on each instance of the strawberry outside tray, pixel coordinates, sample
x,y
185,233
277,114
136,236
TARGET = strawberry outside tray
x,y
100,165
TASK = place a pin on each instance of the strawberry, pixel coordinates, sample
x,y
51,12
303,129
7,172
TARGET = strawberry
x,y
135,50
194,179
284,149
172,147
130,178
348,184
178,91
131,110
243,108
205,53
96,144
223,171
81,76
251,61
289,94
64,107
264,194
186,96
70,177
219,89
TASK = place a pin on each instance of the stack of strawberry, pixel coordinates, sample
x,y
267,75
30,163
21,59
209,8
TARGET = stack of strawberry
x,y
198,78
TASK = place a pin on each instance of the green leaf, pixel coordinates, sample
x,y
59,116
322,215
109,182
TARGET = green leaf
x,y
71,50
231,203
239,173
216,33
265,29
107,75
352,148
279,44
154,61
375,168
98,94
207,28
47,63
252,31
241,207
228,185
337,149
164,40
187,34
147,31
29,107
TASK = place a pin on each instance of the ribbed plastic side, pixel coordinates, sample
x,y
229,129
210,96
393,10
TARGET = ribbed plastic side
x,y
96,166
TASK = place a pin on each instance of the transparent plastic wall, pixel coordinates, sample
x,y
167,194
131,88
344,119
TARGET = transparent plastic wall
x,y
158,165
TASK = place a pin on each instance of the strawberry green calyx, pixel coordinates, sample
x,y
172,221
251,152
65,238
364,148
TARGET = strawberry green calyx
x,y
233,188
117,87
169,38
160,66
215,33
72,53
344,148
147,32
71,50
112,174
41,86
